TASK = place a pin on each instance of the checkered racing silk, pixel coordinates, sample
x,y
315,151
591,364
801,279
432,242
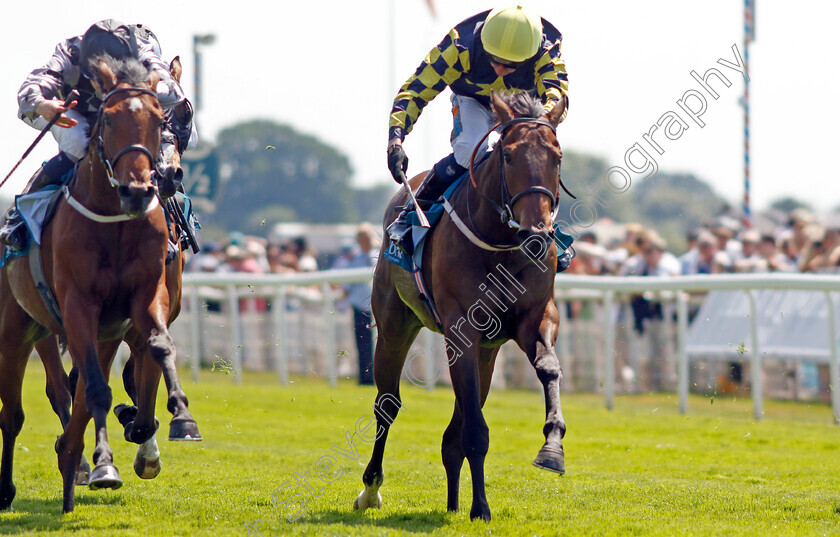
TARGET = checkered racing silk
x,y
461,63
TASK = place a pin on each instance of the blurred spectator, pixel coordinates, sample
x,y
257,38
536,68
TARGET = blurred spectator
x,y
358,296
282,258
238,258
773,260
306,259
652,259
708,259
749,260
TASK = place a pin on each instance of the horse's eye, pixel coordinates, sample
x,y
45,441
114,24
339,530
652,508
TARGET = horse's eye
x,y
507,157
106,120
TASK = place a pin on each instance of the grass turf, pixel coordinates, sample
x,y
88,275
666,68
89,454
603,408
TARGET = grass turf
x,y
642,469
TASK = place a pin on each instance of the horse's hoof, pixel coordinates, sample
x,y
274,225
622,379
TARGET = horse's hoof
x,y
478,514
146,469
105,476
551,459
365,501
184,430
125,413
83,472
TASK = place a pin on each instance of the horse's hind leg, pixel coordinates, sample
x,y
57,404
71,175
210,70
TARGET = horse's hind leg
x,y
538,344
396,333
12,369
452,450
59,394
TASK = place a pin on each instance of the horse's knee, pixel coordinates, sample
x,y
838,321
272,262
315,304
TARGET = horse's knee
x,y
548,367
11,422
475,440
97,398
162,347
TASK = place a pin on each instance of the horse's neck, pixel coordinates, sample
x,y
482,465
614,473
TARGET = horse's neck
x,y
92,188
484,215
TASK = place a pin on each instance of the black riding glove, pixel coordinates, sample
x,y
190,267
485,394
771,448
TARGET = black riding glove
x,y
564,261
397,161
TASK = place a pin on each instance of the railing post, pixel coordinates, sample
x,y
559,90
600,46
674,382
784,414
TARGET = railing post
x,y
561,347
278,325
235,332
755,361
329,326
609,349
429,359
195,331
682,355
833,366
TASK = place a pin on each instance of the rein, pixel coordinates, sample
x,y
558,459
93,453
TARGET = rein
x,y
109,164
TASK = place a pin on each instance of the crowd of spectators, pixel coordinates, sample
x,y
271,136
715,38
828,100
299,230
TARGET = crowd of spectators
x,y
801,244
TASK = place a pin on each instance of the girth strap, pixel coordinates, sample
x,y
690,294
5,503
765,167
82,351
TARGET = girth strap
x,y
36,267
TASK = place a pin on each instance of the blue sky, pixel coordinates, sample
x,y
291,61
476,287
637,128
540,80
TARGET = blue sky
x,y
331,69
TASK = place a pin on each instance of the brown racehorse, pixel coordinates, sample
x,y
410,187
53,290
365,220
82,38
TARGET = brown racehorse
x,y
147,375
103,256
491,287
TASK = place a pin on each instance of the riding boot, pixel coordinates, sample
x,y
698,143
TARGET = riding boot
x,y
435,183
13,232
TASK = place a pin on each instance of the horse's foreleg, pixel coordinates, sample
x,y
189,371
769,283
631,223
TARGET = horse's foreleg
x,y
388,358
93,399
151,322
540,351
12,369
475,435
452,451
58,384
59,393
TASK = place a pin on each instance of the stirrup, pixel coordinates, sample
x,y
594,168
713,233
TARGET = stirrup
x,y
12,233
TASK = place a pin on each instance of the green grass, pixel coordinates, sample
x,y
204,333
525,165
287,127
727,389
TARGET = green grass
x,y
642,469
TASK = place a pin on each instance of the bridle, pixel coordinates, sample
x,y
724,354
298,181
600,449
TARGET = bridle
x,y
110,164
505,209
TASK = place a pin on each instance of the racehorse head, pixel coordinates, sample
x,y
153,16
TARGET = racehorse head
x,y
529,165
127,131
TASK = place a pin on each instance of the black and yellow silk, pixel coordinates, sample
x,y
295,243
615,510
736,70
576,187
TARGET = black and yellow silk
x,y
461,63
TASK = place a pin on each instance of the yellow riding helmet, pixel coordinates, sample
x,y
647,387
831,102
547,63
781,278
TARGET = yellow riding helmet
x,y
512,33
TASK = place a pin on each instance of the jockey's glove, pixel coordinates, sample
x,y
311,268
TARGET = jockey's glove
x,y
397,160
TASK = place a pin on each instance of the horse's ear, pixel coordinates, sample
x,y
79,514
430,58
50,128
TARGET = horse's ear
x,y
555,116
175,68
105,76
500,108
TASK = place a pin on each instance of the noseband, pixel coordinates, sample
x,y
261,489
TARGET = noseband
x,y
110,164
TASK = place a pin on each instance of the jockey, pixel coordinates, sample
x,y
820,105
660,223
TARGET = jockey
x,y
507,48
42,94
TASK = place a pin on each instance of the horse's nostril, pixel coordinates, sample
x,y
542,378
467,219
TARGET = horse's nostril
x,y
523,234
179,175
124,191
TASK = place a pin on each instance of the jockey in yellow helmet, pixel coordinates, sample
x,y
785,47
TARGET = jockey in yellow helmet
x,y
507,48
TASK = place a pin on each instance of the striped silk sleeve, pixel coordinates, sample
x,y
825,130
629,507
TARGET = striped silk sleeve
x,y
552,80
442,66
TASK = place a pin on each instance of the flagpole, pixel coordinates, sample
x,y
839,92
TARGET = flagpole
x,y
749,34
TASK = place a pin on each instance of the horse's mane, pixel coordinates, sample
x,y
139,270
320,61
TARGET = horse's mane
x,y
128,70
523,104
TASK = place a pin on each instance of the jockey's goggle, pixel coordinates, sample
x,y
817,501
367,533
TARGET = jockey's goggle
x,y
505,63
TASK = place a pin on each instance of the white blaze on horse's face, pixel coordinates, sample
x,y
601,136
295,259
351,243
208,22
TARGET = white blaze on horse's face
x,y
135,104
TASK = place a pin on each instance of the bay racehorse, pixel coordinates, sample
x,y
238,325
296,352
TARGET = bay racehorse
x,y
137,370
103,259
489,267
